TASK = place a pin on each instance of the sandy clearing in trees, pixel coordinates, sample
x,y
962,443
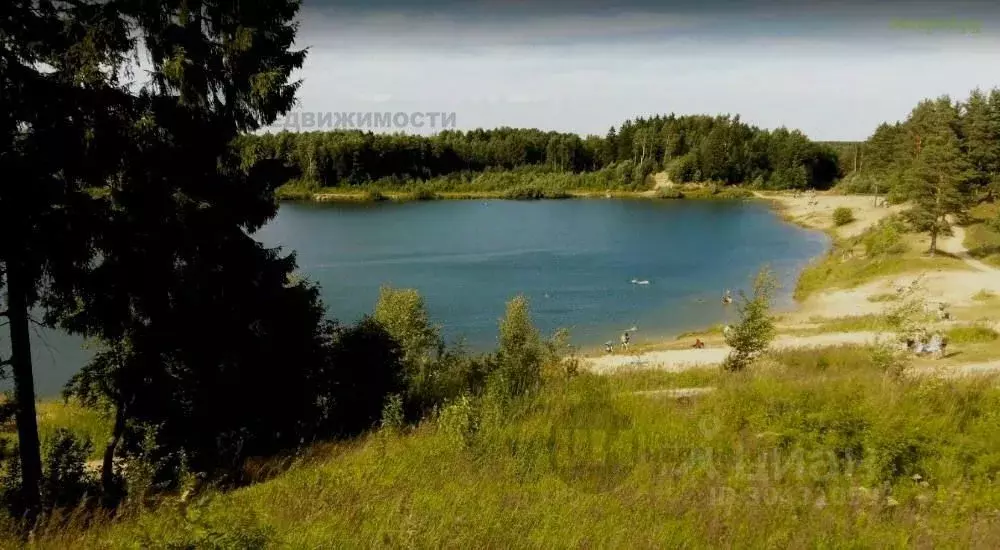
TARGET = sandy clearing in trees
x,y
816,211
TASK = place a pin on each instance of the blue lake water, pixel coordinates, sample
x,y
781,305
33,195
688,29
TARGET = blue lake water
x,y
573,259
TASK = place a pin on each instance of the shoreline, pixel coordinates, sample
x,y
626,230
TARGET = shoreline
x,y
836,315
687,192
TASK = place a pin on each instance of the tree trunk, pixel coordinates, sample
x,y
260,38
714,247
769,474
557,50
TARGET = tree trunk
x,y
24,390
934,234
938,218
107,468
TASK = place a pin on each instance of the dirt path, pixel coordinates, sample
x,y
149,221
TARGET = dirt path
x,y
683,359
955,244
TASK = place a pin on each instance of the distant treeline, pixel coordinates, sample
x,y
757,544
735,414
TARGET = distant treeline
x,y
690,148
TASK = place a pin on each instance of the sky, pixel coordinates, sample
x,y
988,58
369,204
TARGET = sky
x,y
834,70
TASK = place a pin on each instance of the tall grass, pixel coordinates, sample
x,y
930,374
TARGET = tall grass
x,y
818,450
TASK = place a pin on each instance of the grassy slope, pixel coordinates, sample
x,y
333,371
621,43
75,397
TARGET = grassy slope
x,y
761,462
846,265
982,240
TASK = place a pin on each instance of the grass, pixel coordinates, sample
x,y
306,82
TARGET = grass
x,y
972,335
881,251
85,423
984,296
886,297
854,323
818,450
831,273
983,239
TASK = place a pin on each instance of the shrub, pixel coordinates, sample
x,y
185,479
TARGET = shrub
x,y
368,368
984,296
524,193
425,195
669,194
886,238
459,421
843,216
65,481
755,330
521,353
374,195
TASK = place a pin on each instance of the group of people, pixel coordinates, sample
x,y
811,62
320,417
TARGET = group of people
x,y
924,344
608,347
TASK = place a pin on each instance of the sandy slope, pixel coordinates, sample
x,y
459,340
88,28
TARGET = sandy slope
x,y
816,211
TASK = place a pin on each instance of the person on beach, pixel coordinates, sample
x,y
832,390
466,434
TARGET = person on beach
x,y
625,339
698,344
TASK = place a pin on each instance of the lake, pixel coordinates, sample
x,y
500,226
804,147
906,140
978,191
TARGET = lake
x,y
573,259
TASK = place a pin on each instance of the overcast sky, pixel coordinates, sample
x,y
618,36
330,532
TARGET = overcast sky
x,y
832,69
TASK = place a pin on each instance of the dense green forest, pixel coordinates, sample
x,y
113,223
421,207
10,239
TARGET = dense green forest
x,y
690,148
962,138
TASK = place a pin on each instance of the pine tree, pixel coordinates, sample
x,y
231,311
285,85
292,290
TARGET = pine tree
x,y
936,179
981,137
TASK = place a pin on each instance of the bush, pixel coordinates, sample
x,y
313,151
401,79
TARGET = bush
x,y
669,194
984,295
368,368
753,334
886,238
843,216
374,195
425,195
65,481
521,352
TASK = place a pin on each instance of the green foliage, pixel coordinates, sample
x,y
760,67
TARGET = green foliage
x,y
374,195
887,357
885,239
821,451
393,418
425,195
669,194
65,482
404,316
691,148
842,216
521,353
459,421
755,330
533,193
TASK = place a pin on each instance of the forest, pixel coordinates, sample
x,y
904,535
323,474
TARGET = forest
x,y
697,148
